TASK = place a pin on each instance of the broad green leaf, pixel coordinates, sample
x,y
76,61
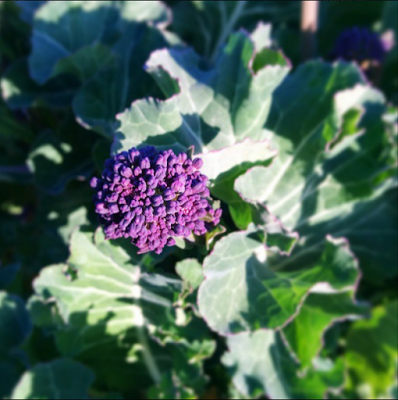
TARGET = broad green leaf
x,y
207,25
259,364
112,90
242,293
59,379
7,274
57,158
15,324
87,62
372,352
14,34
20,91
111,309
61,29
206,109
44,239
11,128
305,334
11,369
332,168
28,9
223,166
15,327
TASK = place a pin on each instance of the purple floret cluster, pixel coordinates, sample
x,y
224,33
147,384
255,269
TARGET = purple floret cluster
x,y
153,197
361,45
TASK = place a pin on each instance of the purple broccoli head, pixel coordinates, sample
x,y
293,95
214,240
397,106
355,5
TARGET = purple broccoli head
x,y
360,45
152,197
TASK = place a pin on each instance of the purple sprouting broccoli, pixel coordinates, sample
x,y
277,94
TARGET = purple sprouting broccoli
x,y
362,45
152,197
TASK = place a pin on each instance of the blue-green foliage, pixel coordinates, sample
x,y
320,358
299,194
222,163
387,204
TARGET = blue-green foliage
x,y
292,296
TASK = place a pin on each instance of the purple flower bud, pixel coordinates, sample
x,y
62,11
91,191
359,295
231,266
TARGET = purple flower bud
x,y
197,163
100,208
169,194
95,182
160,173
151,181
170,242
361,45
113,208
125,208
182,157
157,200
178,186
171,206
201,213
137,171
145,163
126,172
198,187
160,211
172,161
179,230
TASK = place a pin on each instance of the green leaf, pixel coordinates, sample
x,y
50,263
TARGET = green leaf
x,y
14,34
242,293
305,334
55,159
15,325
111,309
84,24
60,379
207,25
372,352
206,109
332,170
11,369
10,128
191,272
7,274
114,89
28,9
260,364
20,91
223,166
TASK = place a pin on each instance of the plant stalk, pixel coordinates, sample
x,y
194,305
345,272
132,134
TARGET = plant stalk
x,y
309,27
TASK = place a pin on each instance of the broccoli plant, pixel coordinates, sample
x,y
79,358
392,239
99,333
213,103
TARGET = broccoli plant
x,y
186,213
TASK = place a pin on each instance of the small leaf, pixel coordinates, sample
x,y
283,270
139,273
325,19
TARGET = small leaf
x,y
191,272
306,332
372,352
